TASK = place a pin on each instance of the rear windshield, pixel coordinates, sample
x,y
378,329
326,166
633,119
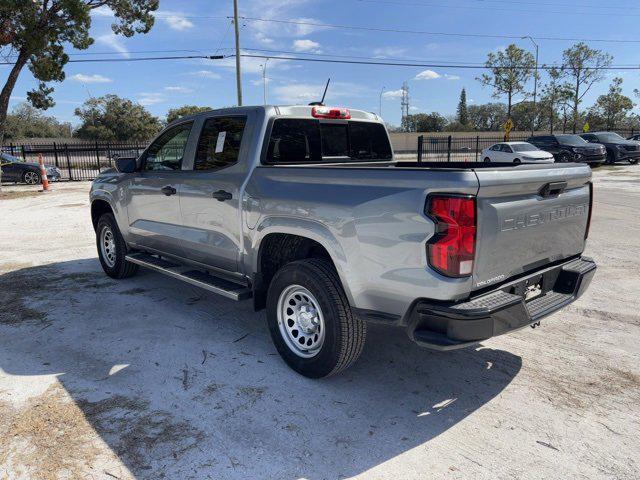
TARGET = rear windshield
x,y
310,141
571,140
523,147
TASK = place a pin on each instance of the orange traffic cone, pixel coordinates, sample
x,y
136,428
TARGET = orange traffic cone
x,y
43,174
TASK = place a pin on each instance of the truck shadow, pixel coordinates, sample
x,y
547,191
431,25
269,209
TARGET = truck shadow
x,y
180,383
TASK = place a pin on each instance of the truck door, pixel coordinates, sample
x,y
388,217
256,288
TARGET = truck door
x,y
153,194
210,198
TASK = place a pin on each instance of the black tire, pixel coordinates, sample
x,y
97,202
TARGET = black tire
x,y
35,178
117,267
487,160
611,158
344,333
563,158
517,161
633,161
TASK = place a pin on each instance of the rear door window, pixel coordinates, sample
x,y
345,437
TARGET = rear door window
x,y
219,144
312,141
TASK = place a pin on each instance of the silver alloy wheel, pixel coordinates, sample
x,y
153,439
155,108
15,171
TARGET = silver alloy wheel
x,y
108,246
31,178
301,321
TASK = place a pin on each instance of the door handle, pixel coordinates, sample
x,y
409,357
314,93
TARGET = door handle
x,y
168,190
222,196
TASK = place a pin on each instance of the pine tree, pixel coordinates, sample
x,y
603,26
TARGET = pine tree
x,y
463,114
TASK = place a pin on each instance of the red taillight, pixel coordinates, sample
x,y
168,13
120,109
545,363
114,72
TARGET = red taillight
x,y
452,249
332,113
586,234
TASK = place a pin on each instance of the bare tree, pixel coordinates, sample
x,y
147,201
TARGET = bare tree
x,y
583,67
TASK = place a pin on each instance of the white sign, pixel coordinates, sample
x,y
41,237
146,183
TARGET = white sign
x,y
220,143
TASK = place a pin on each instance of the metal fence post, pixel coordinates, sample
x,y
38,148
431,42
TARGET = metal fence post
x,y
449,149
420,147
55,153
66,150
477,146
98,154
24,154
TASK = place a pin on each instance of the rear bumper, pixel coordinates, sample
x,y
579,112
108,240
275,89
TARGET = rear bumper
x,y
443,326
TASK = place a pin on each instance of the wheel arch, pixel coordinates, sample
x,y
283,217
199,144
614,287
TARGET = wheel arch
x,y
276,246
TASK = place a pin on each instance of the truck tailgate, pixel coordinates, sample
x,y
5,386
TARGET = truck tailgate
x,y
528,217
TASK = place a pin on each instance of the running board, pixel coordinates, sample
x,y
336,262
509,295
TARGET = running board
x,y
187,274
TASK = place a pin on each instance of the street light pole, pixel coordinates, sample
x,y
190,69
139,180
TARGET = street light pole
x,y
264,79
238,68
535,86
381,93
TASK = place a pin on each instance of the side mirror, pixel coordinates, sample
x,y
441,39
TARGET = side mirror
x,y
126,164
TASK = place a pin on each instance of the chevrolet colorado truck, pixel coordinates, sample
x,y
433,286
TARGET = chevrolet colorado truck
x,y
304,210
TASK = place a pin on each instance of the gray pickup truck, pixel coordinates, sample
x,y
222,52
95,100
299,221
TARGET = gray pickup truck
x,y
304,210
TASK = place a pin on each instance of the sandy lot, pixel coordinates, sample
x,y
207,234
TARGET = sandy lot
x,y
149,378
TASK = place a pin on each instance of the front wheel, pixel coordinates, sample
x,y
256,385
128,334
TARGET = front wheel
x,y
563,158
112,249
633,161
310,319
517,161
31,178
487,160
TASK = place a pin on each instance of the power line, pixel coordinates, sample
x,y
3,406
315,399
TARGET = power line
x,y
424,32
577,10
426,65
139,59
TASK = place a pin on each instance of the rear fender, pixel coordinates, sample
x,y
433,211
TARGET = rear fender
x,y
308,229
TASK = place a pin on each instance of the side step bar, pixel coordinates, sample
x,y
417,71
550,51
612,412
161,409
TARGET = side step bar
x,y
187,274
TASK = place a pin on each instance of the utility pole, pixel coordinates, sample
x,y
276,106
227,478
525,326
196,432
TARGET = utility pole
x,y
535,86
405,106
381,94
238,68
264,79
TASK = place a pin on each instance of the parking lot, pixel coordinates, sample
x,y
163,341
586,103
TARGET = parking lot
x,y
151,378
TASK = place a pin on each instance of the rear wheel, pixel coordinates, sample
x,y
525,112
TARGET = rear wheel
x,y
611,158
112,249
31,178
310,319
487,160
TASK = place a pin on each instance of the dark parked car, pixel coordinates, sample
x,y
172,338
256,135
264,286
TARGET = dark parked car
x,y
635,138
15,169
570,148
618,149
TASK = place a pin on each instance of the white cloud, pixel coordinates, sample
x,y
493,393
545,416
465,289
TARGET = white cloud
x,y
386,52
303,93
177,89
175,20
95,78
206,74
269,32
393,94
414,109
427,75
451,77
151,98
306,45
102,11
114,42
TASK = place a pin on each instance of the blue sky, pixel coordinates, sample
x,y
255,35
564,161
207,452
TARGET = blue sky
x,y
180,26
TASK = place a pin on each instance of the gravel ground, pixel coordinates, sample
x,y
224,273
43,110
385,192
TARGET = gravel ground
x,y
149,378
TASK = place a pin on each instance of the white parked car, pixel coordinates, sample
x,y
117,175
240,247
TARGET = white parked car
x,y
516,152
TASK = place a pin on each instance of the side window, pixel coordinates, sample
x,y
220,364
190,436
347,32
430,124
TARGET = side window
x,y
167,151
219,144
294,141
495,148
590,138
506,148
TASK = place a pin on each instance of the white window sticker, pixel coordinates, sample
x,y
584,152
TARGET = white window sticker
x,y
220,143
